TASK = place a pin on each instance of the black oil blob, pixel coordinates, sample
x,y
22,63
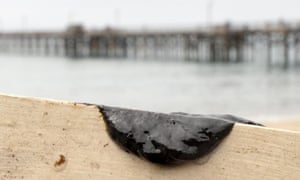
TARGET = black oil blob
x,y
167,138
225,117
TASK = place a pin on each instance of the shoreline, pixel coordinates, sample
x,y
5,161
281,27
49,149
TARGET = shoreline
x,y
293,124
280,122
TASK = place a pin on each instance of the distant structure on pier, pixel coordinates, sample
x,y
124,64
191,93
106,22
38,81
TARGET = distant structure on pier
x,y
276,43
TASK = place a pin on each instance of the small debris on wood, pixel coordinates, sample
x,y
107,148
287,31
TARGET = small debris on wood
x,y
105,145
61,161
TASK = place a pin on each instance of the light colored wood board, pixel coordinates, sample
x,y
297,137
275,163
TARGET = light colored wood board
x,y
34,132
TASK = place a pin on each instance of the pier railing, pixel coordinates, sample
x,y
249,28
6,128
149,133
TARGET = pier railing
x,y
278,42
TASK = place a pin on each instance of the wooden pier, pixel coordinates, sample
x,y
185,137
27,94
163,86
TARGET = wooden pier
x,y
274,43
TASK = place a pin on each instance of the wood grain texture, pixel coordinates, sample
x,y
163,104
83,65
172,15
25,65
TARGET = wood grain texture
x,y
34,133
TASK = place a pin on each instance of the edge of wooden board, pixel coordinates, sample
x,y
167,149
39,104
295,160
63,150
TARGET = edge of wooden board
x,y
35,132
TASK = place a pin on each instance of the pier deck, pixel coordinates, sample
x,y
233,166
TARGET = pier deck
x,y
273,43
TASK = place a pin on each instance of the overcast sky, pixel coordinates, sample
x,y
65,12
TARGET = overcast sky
x,y
56,14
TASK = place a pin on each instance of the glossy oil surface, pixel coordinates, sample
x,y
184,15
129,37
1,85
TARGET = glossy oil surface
x,y
167,138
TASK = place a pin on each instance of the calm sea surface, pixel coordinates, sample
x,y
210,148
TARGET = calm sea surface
x,y
248,90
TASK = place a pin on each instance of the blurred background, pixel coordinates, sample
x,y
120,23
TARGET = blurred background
x,y
213,56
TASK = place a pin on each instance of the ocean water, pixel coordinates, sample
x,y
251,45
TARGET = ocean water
x,y
250,90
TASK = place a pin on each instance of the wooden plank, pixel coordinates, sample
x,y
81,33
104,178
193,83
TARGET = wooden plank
x,y
35,132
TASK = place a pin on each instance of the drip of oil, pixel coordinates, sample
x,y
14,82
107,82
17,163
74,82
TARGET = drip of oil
x,y
167,138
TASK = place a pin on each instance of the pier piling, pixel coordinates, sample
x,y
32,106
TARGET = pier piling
x,y
225,43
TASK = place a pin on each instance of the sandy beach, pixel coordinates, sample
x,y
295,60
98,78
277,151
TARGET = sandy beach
x,y
288,124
